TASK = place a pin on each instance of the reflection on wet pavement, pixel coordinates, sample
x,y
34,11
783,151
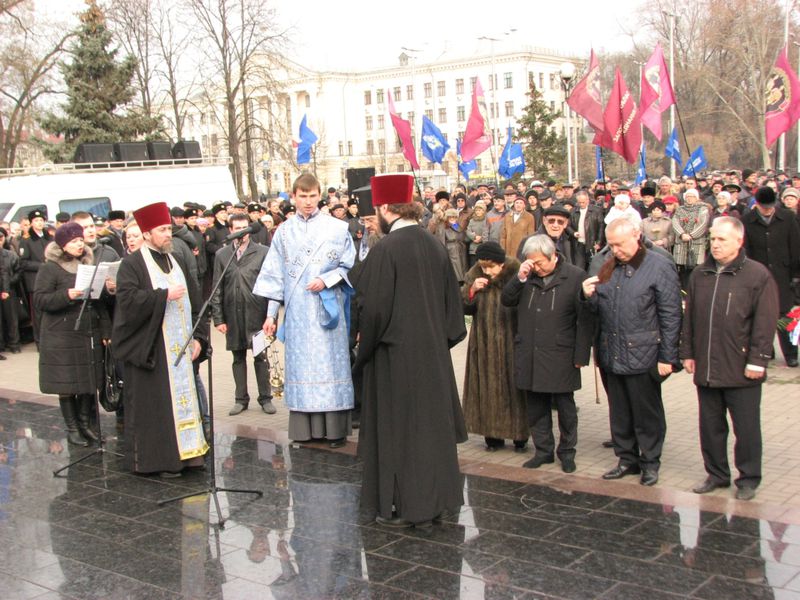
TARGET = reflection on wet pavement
x,y
98,532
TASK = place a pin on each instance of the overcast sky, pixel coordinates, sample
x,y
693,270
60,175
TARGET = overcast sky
x,y
359,34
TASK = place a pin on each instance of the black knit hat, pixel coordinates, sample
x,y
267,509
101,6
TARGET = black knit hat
x,y
766,196
491,251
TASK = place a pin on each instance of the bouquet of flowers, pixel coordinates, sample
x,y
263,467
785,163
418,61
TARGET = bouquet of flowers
x,y
791,323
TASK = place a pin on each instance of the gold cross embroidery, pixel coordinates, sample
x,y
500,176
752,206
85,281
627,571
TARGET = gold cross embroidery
x,y
184,401
175,349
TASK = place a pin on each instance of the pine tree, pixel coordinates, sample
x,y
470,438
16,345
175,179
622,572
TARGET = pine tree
x,y
545,151
99,93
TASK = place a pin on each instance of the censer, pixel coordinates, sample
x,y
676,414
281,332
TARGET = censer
x,y
276,371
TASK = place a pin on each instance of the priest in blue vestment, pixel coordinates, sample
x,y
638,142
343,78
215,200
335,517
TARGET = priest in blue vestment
x,y
306,271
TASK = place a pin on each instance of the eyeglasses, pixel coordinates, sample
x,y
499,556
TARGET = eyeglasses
x,y
555,221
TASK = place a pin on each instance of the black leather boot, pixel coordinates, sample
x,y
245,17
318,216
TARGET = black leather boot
x,y
85,411
70,420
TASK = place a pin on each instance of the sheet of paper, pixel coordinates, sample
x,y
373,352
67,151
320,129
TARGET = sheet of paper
x,y
112,268
84,278
260,343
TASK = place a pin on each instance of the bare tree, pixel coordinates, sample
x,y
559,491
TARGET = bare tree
x,y
28,53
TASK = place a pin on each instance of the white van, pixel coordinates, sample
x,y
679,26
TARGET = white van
x,y
115,186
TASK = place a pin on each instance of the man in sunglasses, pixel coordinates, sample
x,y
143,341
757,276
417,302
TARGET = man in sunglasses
x,y
554,223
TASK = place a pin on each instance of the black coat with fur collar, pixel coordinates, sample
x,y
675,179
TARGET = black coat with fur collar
x,y
65,355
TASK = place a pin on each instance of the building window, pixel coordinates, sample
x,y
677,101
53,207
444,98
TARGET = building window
x,y
400,168
380,121
397,93
493,82
531,80
411,118
507,81
478,166
379,96
368,123
349,148
552,107
553,85
440,88
541,81
341,148
442,115
510,109
429,114
428,89
461,114
202,118
461,135
382,146
459,86
472,82
308,101
409,92
367,98
370,147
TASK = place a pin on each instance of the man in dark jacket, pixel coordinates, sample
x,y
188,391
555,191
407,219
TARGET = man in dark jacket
x,y
772,237
9,278
554,337
215,239
637,297
726,345
586,224
555,222
31,257
238,313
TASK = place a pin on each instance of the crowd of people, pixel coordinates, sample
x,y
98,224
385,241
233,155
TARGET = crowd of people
x,y
651,278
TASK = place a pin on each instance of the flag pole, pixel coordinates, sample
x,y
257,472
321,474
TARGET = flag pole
x,y
685,141
416,183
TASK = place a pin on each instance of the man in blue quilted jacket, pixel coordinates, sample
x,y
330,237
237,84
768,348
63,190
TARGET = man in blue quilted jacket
x,y
637,296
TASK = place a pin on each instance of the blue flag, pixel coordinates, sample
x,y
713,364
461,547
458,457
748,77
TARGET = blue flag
x,y
598,161
433,144
641,172
511,159
307,139
673,149
696,162
465,167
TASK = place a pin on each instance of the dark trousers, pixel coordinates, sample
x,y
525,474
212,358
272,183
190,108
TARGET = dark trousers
x,y
261,367
744,405
540,420
9,323
638,424
788,349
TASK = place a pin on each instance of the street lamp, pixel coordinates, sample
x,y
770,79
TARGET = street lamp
x,y
567,73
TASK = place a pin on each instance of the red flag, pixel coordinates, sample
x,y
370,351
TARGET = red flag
x,y
403,129
622,126
782,99
656,91
476,138
585,98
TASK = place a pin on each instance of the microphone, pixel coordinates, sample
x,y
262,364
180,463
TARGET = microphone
x,y
254,228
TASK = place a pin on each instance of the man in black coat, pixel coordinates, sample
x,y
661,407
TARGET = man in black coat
x,y
555,221
637,298
238,313
31,258
215,239
410,316
715,331
772,237
586,223
554,336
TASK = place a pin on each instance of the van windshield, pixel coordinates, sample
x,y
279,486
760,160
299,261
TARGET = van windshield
x,y
99,207
4,208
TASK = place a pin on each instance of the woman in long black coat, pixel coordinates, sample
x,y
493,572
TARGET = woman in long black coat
x,y
70,362
554,335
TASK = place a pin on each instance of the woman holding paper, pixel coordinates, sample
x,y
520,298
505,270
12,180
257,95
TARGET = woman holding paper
x,y
70,361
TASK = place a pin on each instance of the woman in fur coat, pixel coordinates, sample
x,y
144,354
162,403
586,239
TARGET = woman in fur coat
x,y
493,406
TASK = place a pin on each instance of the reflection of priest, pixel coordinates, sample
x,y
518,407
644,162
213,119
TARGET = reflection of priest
x,y
156,306
306,271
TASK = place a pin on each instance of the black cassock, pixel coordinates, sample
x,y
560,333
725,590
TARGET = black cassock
x,y
410,315
151,443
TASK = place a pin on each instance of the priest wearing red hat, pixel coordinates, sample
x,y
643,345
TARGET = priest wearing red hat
x,y
410,316
157,303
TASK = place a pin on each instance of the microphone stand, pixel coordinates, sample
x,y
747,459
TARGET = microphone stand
x,y
211,481
101,442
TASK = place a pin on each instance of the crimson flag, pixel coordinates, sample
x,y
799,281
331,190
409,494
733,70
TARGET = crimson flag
x,y
476,138
585,98
403,129
782,99
656,91
622,128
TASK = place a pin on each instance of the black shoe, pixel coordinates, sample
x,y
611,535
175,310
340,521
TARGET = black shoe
x,y
568,465
15,350
269,408
237,408
537,461
620,471
492,448
791,362
745,493
170,474
395,522
608,444
76,439
338,443
2,357
649,477
520,449
709,485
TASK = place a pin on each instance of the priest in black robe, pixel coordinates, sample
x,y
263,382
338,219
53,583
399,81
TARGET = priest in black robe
x,y
157,303
410,315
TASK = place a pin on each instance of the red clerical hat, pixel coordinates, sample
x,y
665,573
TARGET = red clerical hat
x,y
152,216
392,189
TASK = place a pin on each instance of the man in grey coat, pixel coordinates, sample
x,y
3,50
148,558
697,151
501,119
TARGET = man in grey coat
x,y
239,313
